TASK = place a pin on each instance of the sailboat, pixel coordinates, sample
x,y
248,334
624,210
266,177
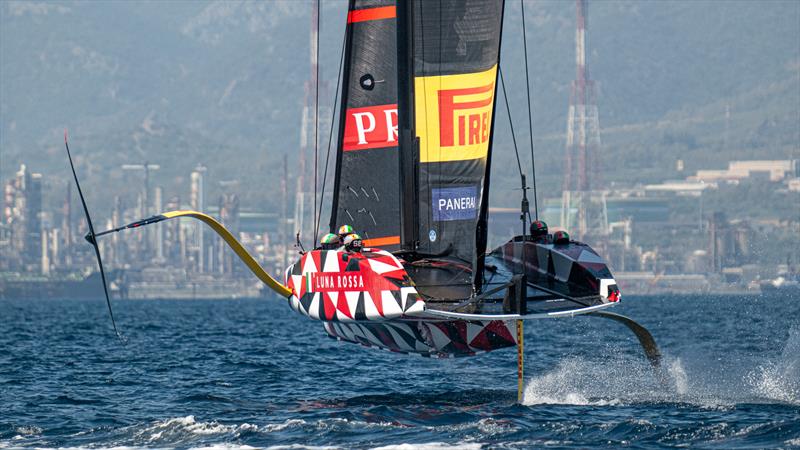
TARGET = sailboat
x,y
412,177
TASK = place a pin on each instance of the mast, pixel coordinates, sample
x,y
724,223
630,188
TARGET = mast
x,y
405,120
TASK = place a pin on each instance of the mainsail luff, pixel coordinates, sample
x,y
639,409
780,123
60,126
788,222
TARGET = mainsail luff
x,y
409,144
482,229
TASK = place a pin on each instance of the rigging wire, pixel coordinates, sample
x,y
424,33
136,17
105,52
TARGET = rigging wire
x,y
330,134
525,208
510,122
530,114
316,120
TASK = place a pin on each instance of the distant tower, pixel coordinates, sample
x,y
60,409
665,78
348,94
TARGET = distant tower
x,y
726,139
33,220
117,244
198,203
147,235
174,242
283,243
8,201
581,169
229,216
158,232
27,217
66,225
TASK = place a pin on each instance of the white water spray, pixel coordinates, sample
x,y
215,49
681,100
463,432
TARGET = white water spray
x,y
627,380
780,380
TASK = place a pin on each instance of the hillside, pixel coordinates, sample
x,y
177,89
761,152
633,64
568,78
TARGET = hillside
x,y
222,83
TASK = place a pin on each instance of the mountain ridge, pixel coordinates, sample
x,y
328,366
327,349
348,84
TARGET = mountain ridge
x,y
222,83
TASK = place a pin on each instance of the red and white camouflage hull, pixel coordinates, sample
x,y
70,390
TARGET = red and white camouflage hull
x,y
368,298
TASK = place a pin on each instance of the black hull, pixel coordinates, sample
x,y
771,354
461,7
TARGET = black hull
x,y
557,278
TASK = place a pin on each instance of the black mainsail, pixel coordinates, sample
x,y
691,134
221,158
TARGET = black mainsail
x,y
438,61
367,186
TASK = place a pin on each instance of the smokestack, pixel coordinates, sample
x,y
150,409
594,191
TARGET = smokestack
x,y
197,201
45,257
159,229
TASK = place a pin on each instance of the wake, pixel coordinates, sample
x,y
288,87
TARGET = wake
x,y
781,380
695,380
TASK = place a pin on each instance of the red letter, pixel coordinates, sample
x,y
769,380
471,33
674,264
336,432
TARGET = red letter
x,y
484,127
461,128
474,129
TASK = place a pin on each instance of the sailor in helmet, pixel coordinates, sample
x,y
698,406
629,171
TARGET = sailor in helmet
x,y
353,243
344,230
538,231
561,238
330,241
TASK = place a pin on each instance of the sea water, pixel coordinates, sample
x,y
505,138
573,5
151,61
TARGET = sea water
x,y
252,373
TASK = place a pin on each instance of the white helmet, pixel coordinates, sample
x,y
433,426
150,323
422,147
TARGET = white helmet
x,y
353,242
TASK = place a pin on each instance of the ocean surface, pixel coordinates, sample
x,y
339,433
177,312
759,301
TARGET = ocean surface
x,y
252,373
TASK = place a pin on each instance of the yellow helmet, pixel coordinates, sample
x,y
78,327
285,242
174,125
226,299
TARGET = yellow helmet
x,y
330,238
344,230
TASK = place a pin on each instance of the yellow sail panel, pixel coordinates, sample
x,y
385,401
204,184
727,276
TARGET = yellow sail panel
x,y
454,115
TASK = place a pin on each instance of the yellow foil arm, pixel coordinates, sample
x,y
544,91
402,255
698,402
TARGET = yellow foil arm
x,y
237,247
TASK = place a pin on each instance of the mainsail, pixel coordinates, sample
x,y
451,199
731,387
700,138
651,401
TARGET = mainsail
x,y
367,186
456,51
449,53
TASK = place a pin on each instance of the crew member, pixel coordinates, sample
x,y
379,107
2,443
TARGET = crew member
x,y
344,230
353,243
330,241
561,238
538,230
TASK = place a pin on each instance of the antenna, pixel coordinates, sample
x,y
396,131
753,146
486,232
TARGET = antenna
x,y
581,171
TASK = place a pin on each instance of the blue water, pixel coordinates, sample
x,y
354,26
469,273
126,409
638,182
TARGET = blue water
x,y
252,373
